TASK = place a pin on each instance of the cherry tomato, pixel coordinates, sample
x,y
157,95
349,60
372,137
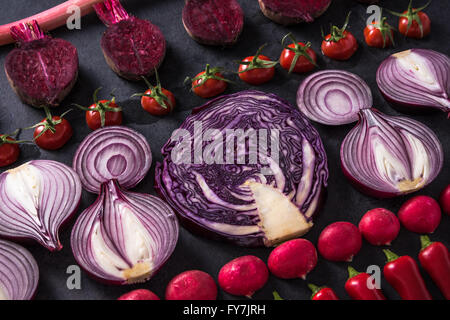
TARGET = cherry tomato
x,y
9,151
257,75
157,100
340,44
341,49
298,57
209,83
152,106
415,31
99,109
53,133
379,35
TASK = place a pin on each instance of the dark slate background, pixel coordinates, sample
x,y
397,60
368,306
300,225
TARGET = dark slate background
x,y
186,57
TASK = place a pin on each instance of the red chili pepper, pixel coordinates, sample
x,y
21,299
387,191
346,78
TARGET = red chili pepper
x,y
358,288
322,293
403,274
435,259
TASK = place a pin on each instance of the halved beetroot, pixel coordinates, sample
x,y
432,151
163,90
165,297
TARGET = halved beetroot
x,y
132,47
293,11
41,70
213,22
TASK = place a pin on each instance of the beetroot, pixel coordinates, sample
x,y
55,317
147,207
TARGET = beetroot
x,y
42,70
379,226
213,22
192,285
293,259
340,241
293,11
139,294
243,276
444,199
420,214
132,47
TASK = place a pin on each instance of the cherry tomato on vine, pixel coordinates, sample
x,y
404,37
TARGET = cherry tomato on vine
x,y
102,113
9,150
257,69
52,132
112,118
209,83
340,44
156,100
379,34
414,23
297,56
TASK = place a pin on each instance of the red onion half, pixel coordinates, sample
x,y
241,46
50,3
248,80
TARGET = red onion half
x,y
333,97
111,153
416,79
124,237
37,198
19,272
387,156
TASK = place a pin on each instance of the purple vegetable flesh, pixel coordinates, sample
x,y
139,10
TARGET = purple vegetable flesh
x,y
41,70
213,22
416,80
293,11
233,197
124,237
112,153
19,272
333,97
132,47
38,197
386,156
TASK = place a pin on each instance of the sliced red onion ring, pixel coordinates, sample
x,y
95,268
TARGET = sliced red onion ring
x,y
112,153
416,79
124,237
36,199
387,156
333,97
19,272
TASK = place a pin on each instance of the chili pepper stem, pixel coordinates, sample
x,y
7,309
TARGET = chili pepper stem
x,y
391,256
352,272
276,296
314,289
425,241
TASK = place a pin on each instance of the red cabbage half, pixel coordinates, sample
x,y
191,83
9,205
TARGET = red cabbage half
x,y
245,167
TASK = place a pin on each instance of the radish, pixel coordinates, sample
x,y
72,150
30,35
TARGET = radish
x,y
243,276
41,70
213,22
340,241
420,214
379,226
293,259
192,285
445,200
132,47
293,11
139,294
